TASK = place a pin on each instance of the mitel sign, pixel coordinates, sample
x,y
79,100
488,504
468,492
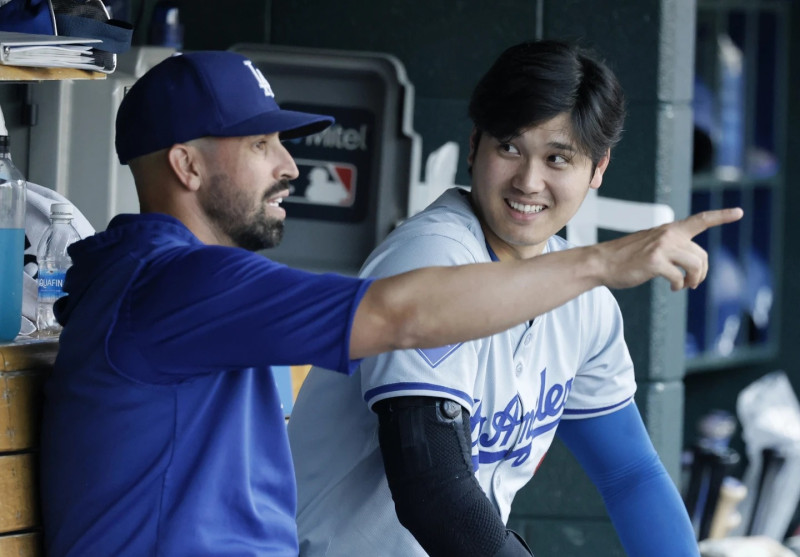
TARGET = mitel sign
x,y
335,166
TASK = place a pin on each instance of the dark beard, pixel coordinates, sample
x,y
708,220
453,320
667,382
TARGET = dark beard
x,y
229,210
263,233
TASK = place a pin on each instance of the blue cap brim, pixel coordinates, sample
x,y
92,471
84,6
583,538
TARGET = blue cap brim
x,y
289,124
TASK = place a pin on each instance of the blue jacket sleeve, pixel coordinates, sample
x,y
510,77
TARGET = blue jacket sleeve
x,y
215,307
642,501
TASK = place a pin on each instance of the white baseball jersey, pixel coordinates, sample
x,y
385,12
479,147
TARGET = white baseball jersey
x,y
569,363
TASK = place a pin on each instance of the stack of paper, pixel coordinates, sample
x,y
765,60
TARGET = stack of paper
x,y
24,49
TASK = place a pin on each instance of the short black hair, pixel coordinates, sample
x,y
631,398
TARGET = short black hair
x,y
535,81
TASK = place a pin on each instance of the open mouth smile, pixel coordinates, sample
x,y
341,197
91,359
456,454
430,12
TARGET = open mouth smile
x,y
526,209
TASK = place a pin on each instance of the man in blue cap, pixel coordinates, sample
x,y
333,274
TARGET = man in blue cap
x,y
162,428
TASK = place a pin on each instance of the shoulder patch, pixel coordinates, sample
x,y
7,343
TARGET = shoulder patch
x,y
435,356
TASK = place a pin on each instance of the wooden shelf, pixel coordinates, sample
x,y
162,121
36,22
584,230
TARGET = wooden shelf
x,y
27,354
24,365
27,73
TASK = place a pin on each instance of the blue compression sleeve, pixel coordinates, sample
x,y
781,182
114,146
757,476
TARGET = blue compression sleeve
x,y
643,502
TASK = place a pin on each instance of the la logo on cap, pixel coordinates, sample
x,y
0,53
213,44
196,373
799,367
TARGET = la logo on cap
x,y
262,81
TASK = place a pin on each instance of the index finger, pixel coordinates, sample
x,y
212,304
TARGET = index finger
x,y
699,222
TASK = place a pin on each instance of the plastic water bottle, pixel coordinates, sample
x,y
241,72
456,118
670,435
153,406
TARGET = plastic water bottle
x,y
730,140
53,260
12,240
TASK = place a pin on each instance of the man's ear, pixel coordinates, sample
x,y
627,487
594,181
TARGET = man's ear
x,y
186,164
602,164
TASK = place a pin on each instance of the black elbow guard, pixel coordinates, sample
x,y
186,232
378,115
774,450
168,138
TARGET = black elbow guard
x,y
427,453
514,546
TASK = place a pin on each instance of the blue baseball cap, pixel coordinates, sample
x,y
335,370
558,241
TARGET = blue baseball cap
x,y
202,94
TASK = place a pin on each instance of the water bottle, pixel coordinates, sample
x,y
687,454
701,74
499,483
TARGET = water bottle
x,y
53,261
12,240
730,137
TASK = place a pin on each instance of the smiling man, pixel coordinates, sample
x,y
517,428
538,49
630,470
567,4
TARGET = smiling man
x,y
431,463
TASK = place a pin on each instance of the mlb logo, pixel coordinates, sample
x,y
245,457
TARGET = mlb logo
x,y
332,184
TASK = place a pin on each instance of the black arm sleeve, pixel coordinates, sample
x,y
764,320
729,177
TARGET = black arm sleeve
x,y
426,447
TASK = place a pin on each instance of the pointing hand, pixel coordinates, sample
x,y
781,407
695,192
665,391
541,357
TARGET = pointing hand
x,y
667,251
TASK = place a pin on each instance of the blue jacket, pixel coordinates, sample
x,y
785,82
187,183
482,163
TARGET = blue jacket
x,y
162,431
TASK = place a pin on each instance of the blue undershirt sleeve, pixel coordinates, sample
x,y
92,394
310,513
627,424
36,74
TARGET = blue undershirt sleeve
x,y
644,505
